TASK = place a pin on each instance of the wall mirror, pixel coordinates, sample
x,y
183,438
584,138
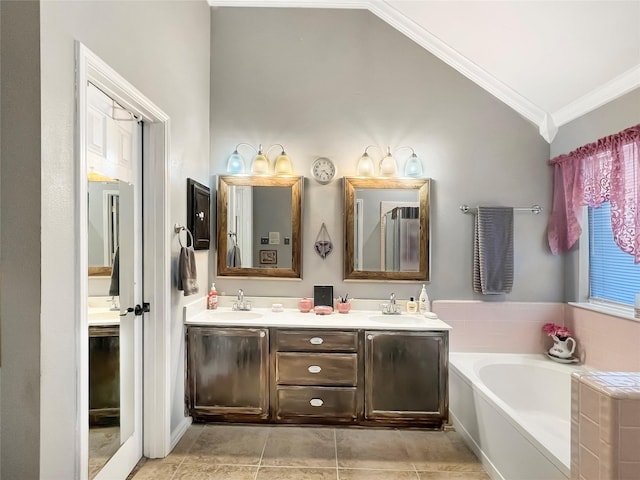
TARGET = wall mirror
x,y
386,229
259,226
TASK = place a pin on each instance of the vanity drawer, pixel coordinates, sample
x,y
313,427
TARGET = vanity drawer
x,y
316,368
330,402
316,341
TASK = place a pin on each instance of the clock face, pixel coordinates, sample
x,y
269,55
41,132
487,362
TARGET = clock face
x,y
323,170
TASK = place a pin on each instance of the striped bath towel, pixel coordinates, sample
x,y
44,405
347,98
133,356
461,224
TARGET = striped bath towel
x,y
493,250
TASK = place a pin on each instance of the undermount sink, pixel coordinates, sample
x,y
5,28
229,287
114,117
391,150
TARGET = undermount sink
x,y
397,319
237,315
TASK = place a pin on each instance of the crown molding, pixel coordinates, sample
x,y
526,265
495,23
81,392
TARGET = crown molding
x,y
628,81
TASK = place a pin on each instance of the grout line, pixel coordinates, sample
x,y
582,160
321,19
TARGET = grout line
x,y
335,449
264,447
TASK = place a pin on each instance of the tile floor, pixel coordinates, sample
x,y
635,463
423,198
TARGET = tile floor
x,y
238,452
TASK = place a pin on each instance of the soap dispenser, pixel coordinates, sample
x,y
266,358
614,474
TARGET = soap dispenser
x,y
424,300
212,298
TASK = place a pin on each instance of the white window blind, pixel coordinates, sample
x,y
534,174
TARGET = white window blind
x,y
613,276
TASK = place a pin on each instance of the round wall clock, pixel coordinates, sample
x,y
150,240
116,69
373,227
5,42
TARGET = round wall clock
x,y
323,170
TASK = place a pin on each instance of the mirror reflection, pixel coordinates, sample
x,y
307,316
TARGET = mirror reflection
x,y
103,315
386,229
259,226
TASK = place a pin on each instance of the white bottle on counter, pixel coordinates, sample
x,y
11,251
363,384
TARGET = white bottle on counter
x,y
424,304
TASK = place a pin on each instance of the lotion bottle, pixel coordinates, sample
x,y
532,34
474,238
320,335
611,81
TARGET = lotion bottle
x,y
212,298
424,300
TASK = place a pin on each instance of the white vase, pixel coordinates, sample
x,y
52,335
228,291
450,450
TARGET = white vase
x,y
561,347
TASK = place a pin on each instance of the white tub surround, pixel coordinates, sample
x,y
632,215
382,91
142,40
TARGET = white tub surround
x,y
514,411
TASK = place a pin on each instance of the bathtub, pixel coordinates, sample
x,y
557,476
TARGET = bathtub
x,y
514,412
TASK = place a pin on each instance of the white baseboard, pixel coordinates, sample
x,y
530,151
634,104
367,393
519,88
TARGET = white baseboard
x,y
179,431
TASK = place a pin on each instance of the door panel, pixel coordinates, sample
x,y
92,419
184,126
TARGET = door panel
x,y
114,155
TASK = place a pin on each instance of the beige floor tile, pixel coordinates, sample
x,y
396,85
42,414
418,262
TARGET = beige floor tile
x,y
155,469
453,476
300,447
371,448
296,473
439,451
206,471
229,444
364,474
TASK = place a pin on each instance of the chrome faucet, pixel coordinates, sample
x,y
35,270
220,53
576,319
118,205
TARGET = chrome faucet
x,y
391,308
240,304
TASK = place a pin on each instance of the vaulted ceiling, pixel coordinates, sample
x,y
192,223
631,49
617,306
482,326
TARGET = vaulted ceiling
x,y
551,61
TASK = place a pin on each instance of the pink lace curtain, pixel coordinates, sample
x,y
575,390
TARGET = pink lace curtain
x,y
607,170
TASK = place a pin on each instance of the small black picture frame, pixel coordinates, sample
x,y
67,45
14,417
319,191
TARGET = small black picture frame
x,y
199,213
323,295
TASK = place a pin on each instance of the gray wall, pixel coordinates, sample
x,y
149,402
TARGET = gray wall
x,y
20,289
162,48
329,83
607,120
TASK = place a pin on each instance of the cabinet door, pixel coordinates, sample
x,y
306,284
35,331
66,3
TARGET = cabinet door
x,y
406,376
227,373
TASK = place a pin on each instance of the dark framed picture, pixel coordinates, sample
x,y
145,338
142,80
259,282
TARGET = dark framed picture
x,y
268,257
199,213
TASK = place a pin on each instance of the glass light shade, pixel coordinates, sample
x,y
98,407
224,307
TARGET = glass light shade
x,y
413,167
365,166
260,164
235,164
388,165
283,165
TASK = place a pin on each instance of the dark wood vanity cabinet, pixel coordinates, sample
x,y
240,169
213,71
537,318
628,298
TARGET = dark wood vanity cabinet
x,y
228,373
406,377
289,375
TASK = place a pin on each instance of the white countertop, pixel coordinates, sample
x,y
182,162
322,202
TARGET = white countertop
x,y
195,314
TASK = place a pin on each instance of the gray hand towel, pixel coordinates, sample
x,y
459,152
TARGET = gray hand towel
x,y
114,286
493,250
187,275
233,257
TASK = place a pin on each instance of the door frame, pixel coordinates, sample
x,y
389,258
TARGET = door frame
x,y
156,414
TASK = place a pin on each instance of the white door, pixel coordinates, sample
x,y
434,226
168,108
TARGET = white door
x,y
114,157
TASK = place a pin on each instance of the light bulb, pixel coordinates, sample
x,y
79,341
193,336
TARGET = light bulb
x,y
365,166
388,165
260,164
235,164
283,165
413,167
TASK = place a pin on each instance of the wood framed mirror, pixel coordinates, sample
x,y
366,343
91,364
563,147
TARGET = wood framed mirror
x,y
259,226
386,225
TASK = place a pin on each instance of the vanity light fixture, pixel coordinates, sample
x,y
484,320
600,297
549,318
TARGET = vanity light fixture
x,y
388,166
260,164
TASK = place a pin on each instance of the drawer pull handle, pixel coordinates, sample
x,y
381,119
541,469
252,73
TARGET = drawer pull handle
x,y
262,334
316,402
316,341
314,369
369,337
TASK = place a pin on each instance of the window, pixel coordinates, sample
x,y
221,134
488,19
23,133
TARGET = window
x,y
613,276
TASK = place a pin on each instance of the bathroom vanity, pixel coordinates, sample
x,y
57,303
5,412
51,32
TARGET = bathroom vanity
x,y
360,368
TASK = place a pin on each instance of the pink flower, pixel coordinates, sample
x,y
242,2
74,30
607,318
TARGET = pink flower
x,y
557,330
